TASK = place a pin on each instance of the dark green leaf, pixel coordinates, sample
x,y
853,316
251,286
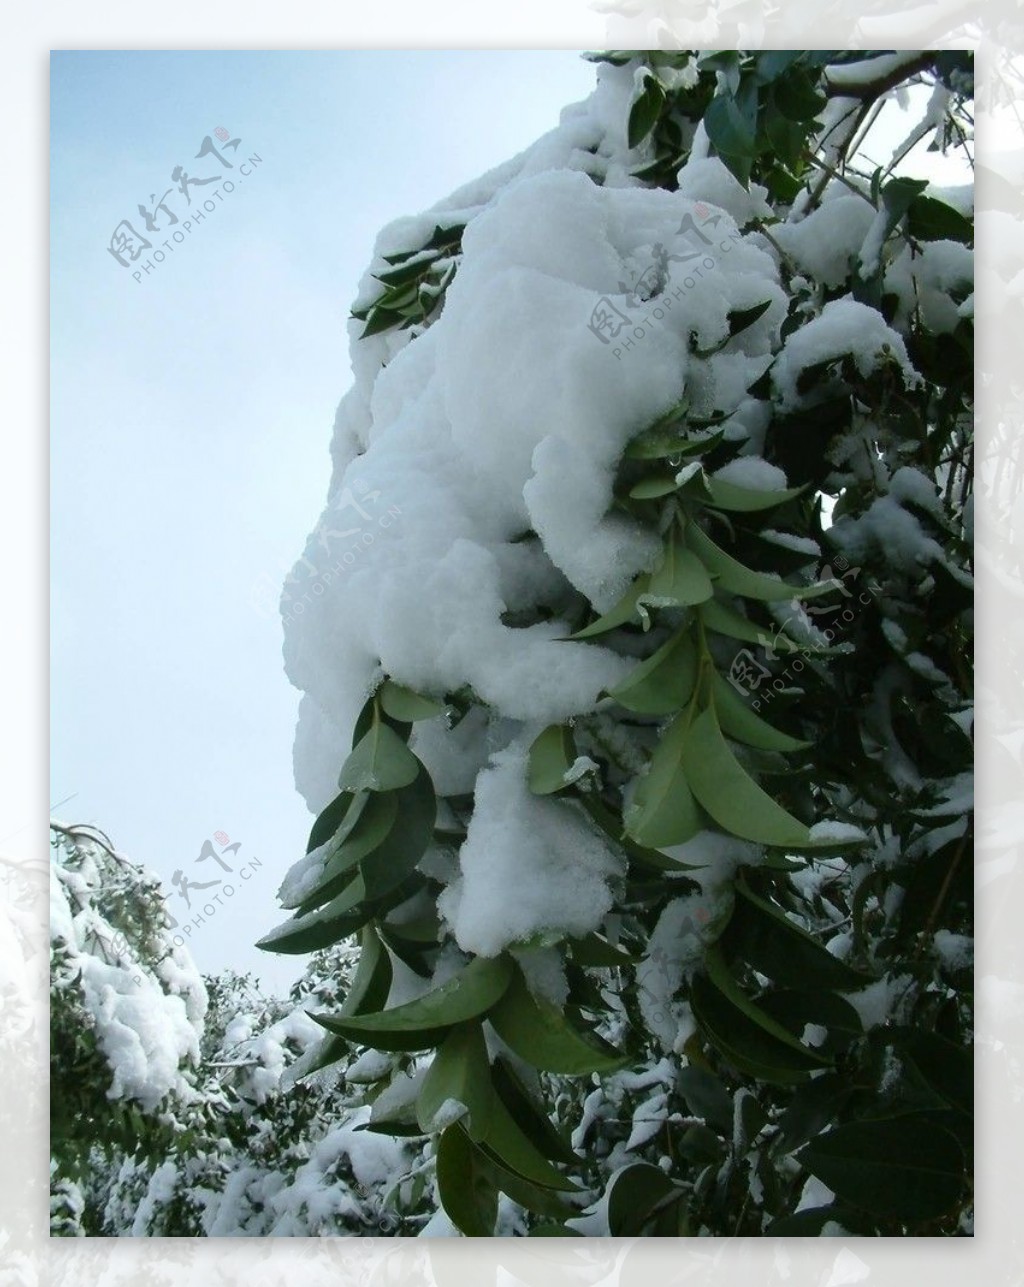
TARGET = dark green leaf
x,y
465,1184
645,111
381,761
636,1191
903,1168
551,756
543,1035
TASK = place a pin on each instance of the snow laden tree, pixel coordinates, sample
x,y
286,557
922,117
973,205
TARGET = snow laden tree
x,y
174,1111
635,645
126,1017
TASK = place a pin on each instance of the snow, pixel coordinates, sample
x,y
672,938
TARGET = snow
x,y
844,326
708,180
956,951
752,472
147,1020
823,244
528,864
840,832
926,278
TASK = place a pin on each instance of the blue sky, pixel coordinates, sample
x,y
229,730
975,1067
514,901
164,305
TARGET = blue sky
x,y
191,413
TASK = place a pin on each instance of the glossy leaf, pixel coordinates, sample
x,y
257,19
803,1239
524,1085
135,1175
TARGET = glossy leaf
x,y
373,825
551,756
737,719
460,1071
472,992
504,1138
731,575
372,981
542,1034
530,1114
747,500
725,789
395,858
465,1184
645,111
765,938
663,810
635,1193
726,621
902,1168
322,928
381,761
680,578
406,705
623,612
664,682
667,445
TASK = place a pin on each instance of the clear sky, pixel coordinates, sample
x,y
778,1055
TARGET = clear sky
x,y
191,415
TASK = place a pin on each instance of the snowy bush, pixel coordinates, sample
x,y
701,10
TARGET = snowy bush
x,y
635,650
174,1112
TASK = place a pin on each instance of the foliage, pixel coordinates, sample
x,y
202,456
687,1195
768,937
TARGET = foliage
x,y
820,1001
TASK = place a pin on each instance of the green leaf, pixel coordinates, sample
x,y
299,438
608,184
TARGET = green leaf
x,y
739,319
541,1033
381,761
764,937
811,1108
380,320
719,974
551,756
707,1097
624,611
530,1114
460,1071
733,576
737,720
373,825
796,96
596,952
897,196
331,819
747,1037
680,579
665,444
544,1201
653,488
549,1230
663,811
517,1153
929,219
747,500
322,928
645,111
465,1184
372,983
473,991
395,858
406,705
903,1168
664,682
718,616
735,801
773,62
635,1193
946,1067
732,135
